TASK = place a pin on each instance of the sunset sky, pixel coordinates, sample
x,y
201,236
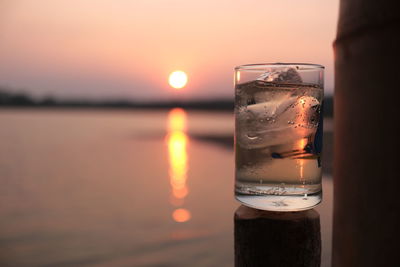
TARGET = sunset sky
x,y
126,49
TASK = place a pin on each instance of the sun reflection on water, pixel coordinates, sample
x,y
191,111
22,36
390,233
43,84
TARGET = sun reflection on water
x,y
177,142
181,215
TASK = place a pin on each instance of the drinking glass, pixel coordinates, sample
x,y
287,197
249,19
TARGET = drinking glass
x,y
278,135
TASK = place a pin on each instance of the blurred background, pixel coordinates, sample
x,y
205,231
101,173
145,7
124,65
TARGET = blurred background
x,y
109,160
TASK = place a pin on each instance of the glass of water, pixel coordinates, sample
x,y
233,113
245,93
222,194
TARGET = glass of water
x,y
278,135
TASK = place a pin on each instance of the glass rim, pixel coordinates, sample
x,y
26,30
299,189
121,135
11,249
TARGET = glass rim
x,y
263,66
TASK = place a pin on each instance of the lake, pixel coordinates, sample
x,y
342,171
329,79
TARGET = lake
x,y
122,188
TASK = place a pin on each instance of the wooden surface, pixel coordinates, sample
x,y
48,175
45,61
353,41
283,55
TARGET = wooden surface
x,y
277,239
366,173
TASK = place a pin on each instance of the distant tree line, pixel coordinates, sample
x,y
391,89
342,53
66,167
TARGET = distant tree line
x,y
8,99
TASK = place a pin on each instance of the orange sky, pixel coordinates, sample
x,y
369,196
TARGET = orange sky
x,y
126,49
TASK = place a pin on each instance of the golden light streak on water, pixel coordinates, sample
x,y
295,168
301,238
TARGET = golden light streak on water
x,y
181,215
177,142
177,120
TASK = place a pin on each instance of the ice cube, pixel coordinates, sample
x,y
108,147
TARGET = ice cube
x,y
277,122
271,108
281,75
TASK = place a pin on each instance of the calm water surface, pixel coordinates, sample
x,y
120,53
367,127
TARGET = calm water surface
x,y
119,188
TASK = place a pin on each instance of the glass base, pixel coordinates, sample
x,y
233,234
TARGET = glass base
x,y
274,202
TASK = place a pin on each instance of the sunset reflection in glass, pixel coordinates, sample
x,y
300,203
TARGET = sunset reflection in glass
x,y
177,142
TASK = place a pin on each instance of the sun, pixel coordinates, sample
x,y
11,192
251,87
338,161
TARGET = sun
x,y
178,79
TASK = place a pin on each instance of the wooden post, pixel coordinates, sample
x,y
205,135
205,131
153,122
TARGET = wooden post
x,y
264,238
366,162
